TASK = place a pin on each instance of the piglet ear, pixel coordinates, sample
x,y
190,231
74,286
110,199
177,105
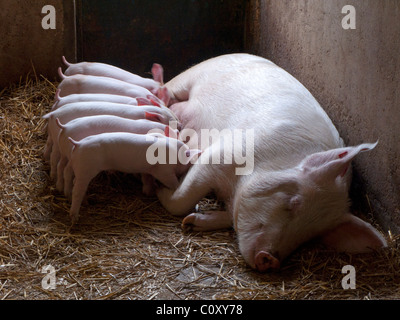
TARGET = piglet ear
x,y
163,94
143,101
171,133
152,116
327,166
155,101
354,235
158,73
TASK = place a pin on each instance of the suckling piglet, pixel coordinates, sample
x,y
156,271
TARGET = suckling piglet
x,y
101,97
89,97
81,128
85,97
125,152
80,83
72,111
107,70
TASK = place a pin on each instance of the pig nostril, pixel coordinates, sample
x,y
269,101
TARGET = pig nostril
x,y
265,261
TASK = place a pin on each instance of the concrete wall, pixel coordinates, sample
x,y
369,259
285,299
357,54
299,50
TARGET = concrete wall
x,y
23,41
354,74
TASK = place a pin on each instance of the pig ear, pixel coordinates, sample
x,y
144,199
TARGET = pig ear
x,y
143,101
171,133
155,101
152,116
354,235
158,73
163,94
327,166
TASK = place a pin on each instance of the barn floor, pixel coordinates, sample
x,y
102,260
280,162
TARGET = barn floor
x,y
128,247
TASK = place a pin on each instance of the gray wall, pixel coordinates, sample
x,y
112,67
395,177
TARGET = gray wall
x,y
23,41
354,74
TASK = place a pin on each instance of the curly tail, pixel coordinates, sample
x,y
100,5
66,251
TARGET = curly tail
x,y
75,143
61,74
59,123
57,98
65,61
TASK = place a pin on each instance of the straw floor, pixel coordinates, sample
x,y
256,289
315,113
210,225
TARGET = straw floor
x,y
127,246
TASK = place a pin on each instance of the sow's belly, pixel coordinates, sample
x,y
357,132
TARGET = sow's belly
x,y
240,91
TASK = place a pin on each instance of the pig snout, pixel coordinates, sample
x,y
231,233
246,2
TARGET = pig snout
x,y
264,261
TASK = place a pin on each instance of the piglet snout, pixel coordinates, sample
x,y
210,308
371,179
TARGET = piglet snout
x,y
265,261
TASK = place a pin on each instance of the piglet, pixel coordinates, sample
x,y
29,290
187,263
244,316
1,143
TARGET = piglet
x,y
83,109
125,152
91,97
81,128
85,97
106,70
79,83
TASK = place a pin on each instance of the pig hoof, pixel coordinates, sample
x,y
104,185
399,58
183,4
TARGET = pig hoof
x,y
74,218
188,224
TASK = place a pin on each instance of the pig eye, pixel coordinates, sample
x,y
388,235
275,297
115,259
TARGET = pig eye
x,y
294,203
257,228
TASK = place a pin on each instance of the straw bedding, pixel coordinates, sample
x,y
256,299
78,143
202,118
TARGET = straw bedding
x,y
126,246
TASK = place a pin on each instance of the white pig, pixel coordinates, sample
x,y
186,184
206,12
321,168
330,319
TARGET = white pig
x,y
106,70
91,97
298,189
125,152
72,111
80,128
80,83
85,97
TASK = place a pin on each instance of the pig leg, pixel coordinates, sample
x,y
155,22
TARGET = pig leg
x,y
54,158
179,202
207,221
83,176
78,193
149,184
169,180
68,180
195,185
47,149
60,173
